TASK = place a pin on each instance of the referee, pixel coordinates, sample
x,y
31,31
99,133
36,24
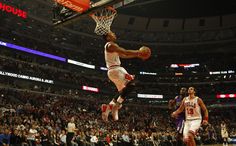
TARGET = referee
x,y
71,129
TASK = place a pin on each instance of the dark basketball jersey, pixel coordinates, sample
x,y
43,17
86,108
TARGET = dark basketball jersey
x,y
178,101
179,122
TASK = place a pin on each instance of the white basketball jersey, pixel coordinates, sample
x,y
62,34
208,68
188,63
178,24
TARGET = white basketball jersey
x,y
223,127
111,58
192,108
224,132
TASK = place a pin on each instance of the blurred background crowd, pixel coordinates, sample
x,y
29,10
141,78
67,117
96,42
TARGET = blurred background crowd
x,y
194,49
29,118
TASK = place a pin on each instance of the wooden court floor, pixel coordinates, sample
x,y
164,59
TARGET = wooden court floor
x,y
217,145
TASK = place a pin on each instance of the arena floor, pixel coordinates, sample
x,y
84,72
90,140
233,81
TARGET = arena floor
x,y
217,145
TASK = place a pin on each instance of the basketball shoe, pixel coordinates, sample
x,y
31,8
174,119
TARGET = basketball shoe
x,y
106,109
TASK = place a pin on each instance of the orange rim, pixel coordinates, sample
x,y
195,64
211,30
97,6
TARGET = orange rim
x,y
104,17
111,8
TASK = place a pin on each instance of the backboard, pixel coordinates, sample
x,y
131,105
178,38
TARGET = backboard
x,y
73,15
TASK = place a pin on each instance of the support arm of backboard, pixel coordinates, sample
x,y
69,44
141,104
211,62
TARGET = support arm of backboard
x,y
94,7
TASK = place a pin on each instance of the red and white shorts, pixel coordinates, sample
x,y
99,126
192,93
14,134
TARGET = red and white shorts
x,y
119,76
191,126
224,134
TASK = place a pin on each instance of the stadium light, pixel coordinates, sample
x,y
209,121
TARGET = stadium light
x,y
153,96
20,48
81,64
226,96
87,88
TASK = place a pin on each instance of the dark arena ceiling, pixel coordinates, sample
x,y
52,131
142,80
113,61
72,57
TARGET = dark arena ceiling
x,y
179,8
222,38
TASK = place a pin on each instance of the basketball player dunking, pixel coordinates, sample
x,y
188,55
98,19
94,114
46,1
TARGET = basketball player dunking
x,y
179,121
118,75
193,106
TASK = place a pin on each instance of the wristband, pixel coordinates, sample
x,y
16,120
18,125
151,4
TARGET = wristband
x,y
139,54
206,119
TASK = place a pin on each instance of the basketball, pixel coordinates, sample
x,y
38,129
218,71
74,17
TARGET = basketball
x,y
145,52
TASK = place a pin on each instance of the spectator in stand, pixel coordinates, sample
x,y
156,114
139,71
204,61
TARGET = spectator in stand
x,y
224,133
32,135
45,139
5,137
63,138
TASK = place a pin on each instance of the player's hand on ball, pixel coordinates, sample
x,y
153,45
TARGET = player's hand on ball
x,y
144,52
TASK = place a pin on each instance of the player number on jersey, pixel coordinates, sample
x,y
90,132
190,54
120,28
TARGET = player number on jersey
x,y
190,111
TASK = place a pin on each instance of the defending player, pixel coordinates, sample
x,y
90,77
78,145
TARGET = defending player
x,y
193,106
179,121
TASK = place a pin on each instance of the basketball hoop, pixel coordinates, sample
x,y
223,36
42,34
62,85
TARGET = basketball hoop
x,y
103,19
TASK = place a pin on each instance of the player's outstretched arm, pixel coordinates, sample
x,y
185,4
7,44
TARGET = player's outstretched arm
x,y
123,53
204,109
179,110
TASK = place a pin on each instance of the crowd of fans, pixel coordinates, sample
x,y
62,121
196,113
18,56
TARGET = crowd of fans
x,y
36,118
73,79
86,55
165,83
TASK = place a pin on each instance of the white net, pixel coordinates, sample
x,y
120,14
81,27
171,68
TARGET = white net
x,y
103,19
